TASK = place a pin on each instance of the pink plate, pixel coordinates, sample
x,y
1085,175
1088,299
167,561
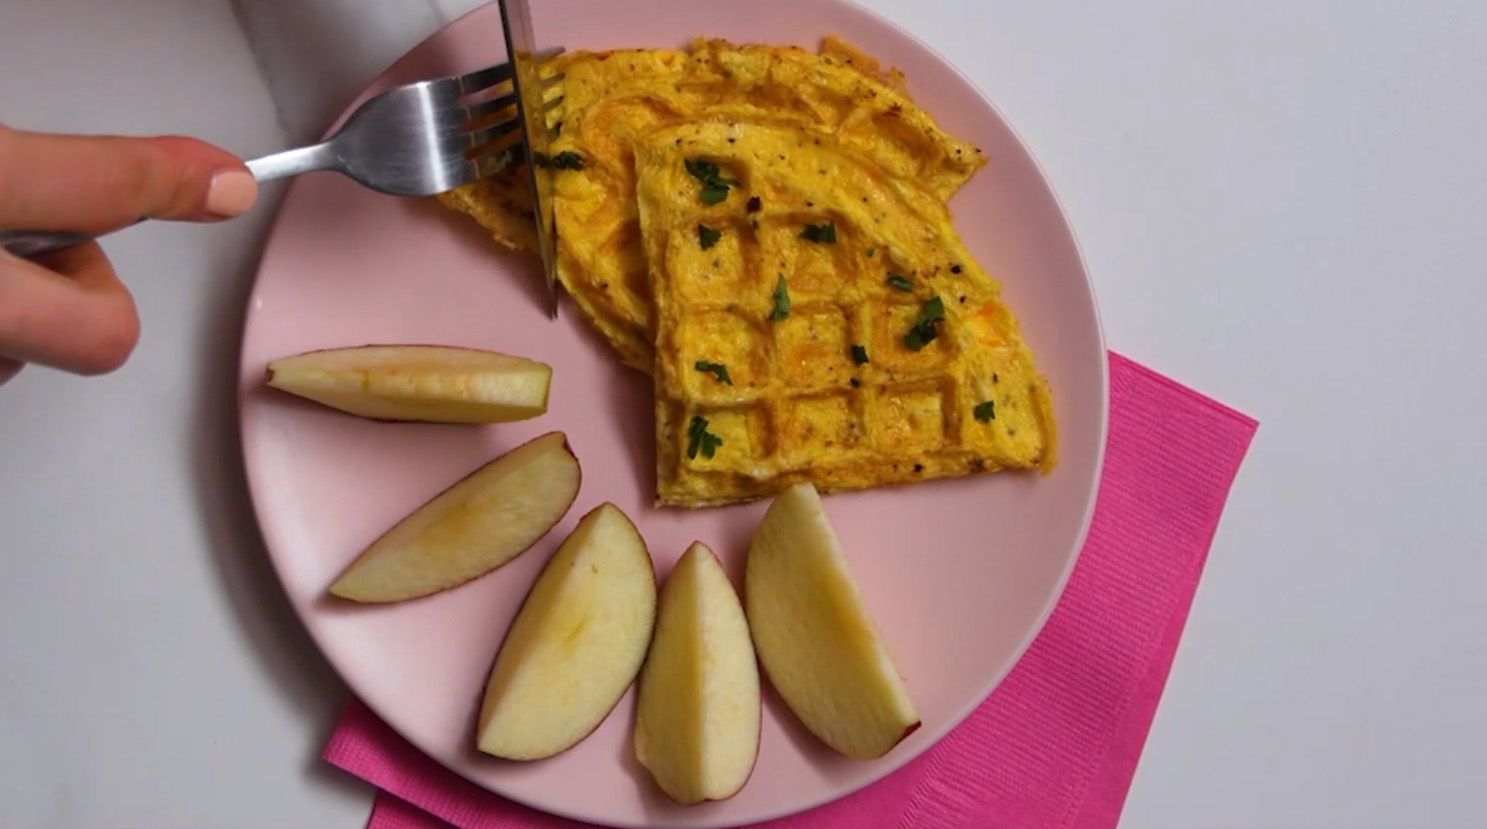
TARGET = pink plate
x,y
959,574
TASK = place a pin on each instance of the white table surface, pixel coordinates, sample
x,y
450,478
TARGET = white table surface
x,y
1283,204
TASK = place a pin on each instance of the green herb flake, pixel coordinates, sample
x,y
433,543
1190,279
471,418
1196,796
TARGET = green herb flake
x,y
565,160
717,370
925,326
707,237
900,281
712,194
985,412
781,300
714,184
701,440
820,234
871,251
859,354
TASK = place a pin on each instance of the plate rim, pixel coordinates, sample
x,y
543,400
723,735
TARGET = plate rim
x,y
883,766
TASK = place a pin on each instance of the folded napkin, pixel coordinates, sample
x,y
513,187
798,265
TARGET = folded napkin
x,y
1056,744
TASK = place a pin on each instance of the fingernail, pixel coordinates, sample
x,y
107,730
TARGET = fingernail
x,y
230,193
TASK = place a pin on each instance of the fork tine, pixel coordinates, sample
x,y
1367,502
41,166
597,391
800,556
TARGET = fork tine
x,y
549,106
471,82
478,139
485,109
480,79
552,80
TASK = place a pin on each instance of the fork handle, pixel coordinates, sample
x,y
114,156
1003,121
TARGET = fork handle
x,y
30,243
293,162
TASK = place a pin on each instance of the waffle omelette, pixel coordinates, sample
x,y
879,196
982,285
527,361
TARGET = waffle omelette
x,y
764,229
612,100
819,320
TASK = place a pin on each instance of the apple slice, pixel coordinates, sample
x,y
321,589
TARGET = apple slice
x,y
434,384
475,526
575,645
697,726
817,644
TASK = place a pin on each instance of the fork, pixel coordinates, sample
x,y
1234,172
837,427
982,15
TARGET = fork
x,y
419,139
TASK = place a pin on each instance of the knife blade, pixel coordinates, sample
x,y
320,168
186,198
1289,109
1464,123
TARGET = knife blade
x,y
524,56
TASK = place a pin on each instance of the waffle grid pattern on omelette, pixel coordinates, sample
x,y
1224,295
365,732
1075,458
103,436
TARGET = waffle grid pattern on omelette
x,y
800,405
611,100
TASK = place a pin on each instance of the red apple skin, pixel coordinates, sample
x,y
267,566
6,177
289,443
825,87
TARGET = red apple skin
x,y
907,731
566,446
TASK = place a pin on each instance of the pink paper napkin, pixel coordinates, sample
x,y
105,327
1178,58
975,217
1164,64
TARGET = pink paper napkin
x,y
1057,743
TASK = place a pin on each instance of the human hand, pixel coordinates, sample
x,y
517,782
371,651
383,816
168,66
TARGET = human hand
x,y
68,309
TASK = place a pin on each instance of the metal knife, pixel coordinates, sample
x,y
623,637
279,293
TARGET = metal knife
x,y
524,56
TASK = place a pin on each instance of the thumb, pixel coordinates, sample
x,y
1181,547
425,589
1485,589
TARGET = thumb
x,y
93,184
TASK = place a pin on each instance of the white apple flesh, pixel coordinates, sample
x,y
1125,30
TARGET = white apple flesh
x,y
433,384
818,646
576,644
697,723
488,518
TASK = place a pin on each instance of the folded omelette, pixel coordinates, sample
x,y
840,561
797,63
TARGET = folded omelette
x,y
612,100
765,229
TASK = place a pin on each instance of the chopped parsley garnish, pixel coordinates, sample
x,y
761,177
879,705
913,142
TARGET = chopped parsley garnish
x,y
925,330
717,370
781,300
565,160
985,412
699,439
713,193
707,237
900,281
714,184
820,234
754,204
859,354
871,251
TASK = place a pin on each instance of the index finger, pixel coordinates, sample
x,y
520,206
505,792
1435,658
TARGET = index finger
x,y
94,184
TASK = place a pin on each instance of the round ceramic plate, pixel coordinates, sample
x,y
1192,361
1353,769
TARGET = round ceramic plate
x,y
959,574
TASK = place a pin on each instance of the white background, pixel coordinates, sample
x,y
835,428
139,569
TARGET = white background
x,y
1283,204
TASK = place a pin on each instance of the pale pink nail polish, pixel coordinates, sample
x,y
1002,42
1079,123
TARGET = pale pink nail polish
x,y
230,193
